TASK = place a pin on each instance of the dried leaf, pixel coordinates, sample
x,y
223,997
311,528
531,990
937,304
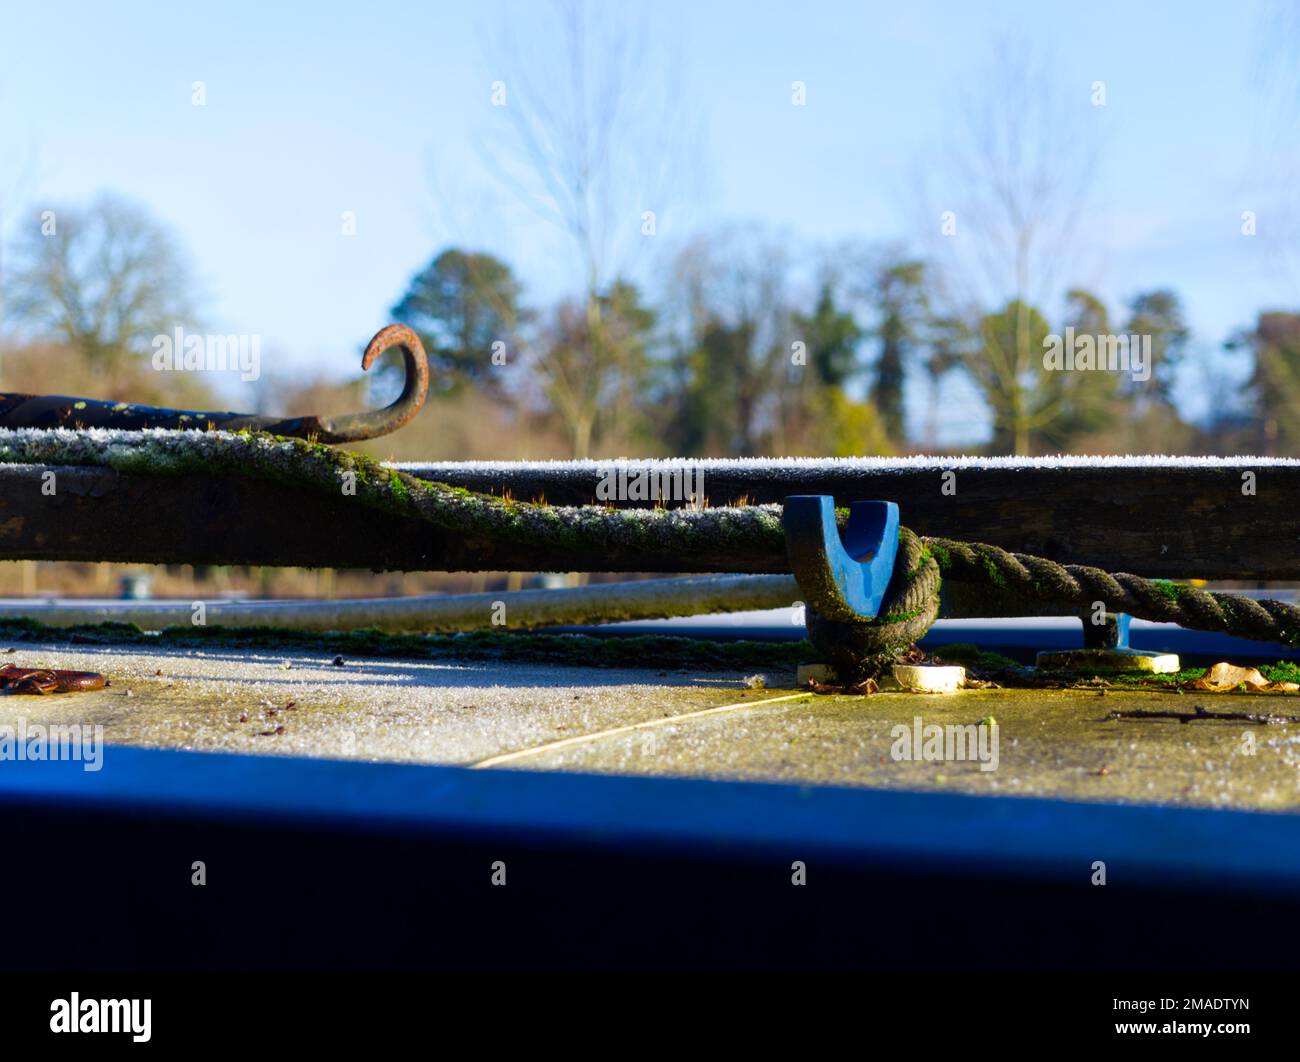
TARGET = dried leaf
x,y
1224,676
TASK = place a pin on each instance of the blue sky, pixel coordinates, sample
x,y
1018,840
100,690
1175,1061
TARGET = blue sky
x,y
319,108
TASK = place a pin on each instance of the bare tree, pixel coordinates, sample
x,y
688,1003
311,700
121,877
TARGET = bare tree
x,y
1003,208
104,279
595,400
593,142
1271,173
14,177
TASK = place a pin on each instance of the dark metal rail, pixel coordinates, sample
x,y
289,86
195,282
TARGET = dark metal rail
x,y
1163,521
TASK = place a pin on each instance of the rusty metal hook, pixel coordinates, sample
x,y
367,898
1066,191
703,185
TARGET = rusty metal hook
x,y
62,411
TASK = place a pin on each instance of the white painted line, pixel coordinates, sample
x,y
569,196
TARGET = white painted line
x,y
509,757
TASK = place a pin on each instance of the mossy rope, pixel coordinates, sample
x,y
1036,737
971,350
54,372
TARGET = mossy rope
x,y
911,602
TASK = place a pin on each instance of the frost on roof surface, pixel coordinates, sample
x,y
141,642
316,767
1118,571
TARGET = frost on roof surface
x,y
864,464
118,436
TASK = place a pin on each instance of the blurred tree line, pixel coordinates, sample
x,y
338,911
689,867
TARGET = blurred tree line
x,y
738,355
736,359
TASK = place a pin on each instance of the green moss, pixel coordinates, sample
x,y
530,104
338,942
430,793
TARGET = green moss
x,y
1143,678
1282,671
974,657
1173,591
581,650
897,617
923,558
991,572
398,488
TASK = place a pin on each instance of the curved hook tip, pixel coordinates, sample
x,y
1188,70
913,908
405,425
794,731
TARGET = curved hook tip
x,y
393,335
415,389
